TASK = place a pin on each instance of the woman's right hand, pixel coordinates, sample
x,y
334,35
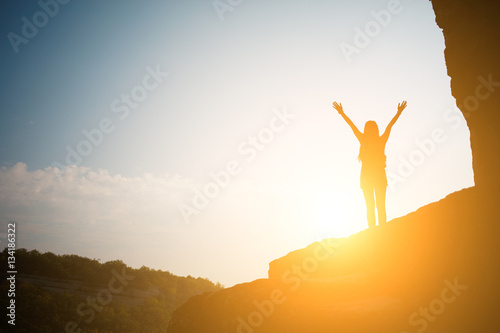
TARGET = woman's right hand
x,y
338,107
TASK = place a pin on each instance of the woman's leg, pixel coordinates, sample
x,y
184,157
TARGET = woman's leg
x,y
380,199
370,205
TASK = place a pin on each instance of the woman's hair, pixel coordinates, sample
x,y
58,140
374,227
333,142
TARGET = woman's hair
x,y
367,150
371,129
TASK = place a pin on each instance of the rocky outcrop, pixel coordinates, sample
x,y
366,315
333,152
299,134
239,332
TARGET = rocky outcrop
x,y
432,270
472,33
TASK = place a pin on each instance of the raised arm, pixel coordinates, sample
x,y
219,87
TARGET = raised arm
x,y
387,132
340,110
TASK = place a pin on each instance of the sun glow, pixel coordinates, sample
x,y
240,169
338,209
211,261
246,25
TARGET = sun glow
x,y
329,210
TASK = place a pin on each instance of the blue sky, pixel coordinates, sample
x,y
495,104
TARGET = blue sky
x,y
229,74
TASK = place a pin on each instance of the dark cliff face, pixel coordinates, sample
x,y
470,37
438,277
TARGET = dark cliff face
x,y
472,36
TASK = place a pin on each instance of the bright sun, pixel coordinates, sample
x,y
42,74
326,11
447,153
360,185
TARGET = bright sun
x,y
329,211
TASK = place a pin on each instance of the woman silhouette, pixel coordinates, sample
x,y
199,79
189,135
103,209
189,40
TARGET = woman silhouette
x,y
372,157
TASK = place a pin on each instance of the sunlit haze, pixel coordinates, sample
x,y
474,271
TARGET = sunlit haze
x,y
202,141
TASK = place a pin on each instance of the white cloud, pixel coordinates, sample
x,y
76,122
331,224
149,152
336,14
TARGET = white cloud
x,y
86,195
92,213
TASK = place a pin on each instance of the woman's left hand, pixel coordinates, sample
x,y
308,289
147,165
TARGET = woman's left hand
x,y
401,106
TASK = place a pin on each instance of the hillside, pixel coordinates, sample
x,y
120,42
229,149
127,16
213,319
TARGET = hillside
x,y
68,293
401,277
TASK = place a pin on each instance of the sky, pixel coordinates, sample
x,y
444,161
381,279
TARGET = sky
x,y
199,137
